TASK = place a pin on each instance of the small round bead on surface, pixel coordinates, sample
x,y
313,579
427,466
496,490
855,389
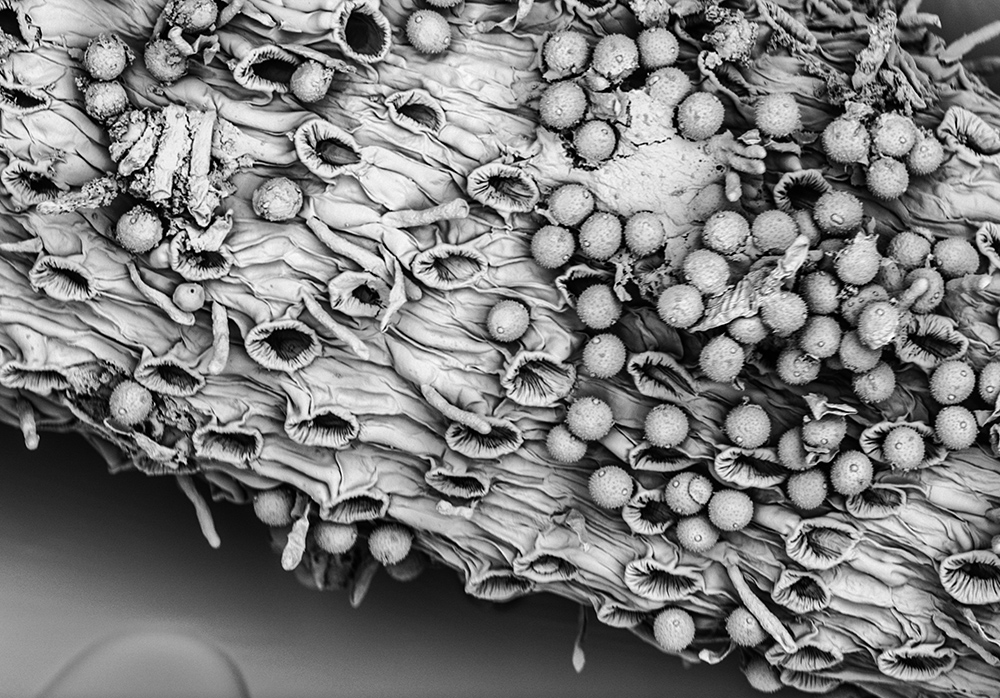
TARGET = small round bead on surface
x,y
934,294
193,15
795,367
926,157
389,543
563,447
778,115
687,493
855,356
130,403
595,140
909,249
858,263
696,534
598,307
700,116
274,507
952,382
721,359
762,676
989,382
748,426
673,629
845,140
570,204
644,233
658,48
852,306
820,337
748,330
680,306
428,32
903,448
774,232
189,297
616,56
552,246
791,450
887,178
139,230
610,487
566,52
819,289
164,61
277,199
730,510
807,489
838,212
105,100
600,236
311,81
784,312
744,629
875,385
508,321
334,538
826,432
707,271
604,356
590,418
955,257
409,568
106,57
726,232
894,134
878,324
562,105
956,427
851,473
666,426
668,86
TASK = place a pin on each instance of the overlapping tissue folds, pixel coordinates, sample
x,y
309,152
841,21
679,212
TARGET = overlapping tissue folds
x,y
685,310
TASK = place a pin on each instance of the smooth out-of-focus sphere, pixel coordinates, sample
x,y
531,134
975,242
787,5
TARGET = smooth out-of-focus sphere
x,y
683,311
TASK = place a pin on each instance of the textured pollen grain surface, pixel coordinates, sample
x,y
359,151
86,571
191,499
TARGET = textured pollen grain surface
x,y
342,359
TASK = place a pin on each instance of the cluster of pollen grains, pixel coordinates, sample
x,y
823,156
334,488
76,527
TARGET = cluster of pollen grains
x,y
684,311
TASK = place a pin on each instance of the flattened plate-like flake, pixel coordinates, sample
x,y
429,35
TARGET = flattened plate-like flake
x,y
167,376
544,566
235,445
647,513
326,150
266,69
41,380
617,616
801,592
537,379
877,502
358,294
916,663
416,111
972,577
362,32
800,190
504,437
62,279
504,188
660,376
808,682
448,267
282,345
873,437
645,456
749,467
928,340
821,543
498,585
20,100
662,583
467,485
327,427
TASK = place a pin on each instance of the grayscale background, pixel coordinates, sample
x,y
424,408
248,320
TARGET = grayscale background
x,y
87,556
